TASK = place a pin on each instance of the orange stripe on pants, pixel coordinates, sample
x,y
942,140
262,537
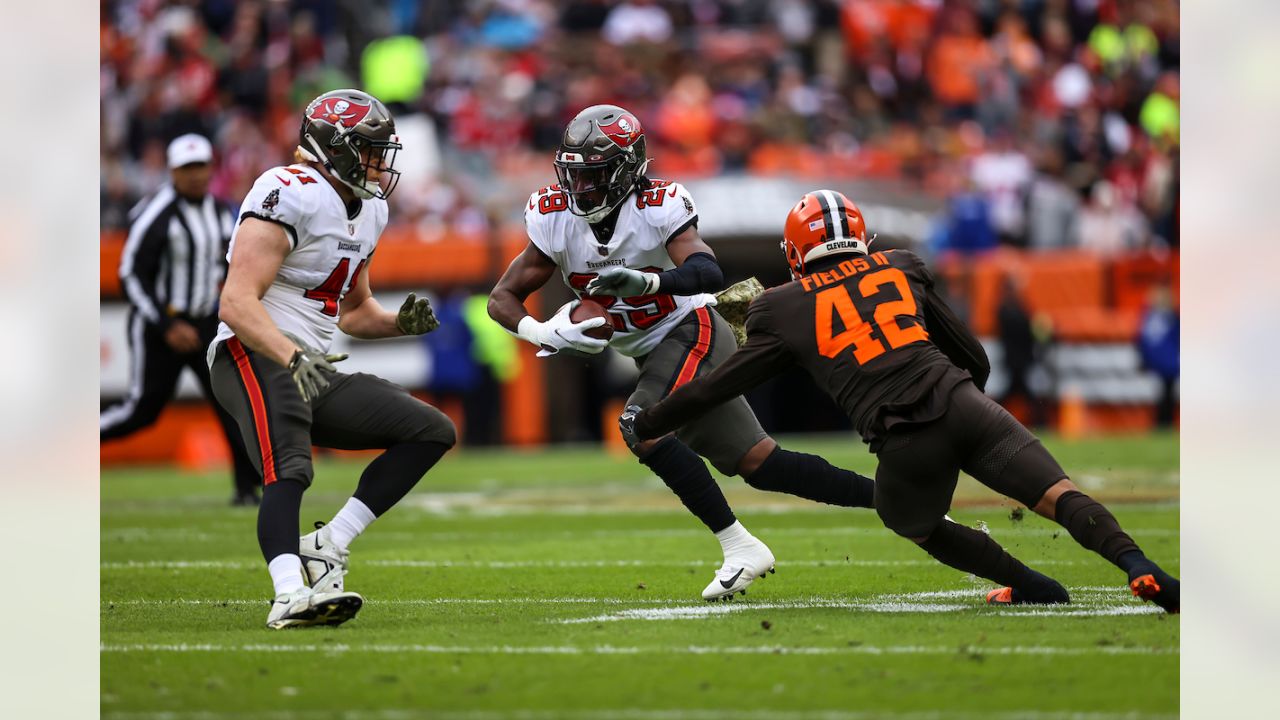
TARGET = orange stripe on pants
x,y
259,407
698,352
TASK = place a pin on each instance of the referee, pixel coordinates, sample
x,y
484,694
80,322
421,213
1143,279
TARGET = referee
x,y
172,270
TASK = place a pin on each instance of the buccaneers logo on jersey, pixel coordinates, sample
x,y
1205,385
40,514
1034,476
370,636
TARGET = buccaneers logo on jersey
x,y
340,112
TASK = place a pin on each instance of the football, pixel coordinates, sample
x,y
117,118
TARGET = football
x,y
585,310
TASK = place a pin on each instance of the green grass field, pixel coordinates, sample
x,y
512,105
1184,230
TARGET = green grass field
x,y
566,584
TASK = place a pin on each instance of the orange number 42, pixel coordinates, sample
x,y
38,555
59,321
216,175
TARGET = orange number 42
x,y
858,332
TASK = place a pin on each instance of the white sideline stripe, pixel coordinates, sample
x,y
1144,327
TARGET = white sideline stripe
x,y
1098,601
637,714
414,648
696,612
509,564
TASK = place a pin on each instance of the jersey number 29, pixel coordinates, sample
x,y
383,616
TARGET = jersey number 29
x,y
649,309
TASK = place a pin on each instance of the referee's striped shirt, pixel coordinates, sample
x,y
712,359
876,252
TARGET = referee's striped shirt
x,y
175,258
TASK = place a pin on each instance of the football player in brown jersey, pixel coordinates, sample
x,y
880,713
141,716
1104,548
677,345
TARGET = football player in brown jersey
x,y
910,375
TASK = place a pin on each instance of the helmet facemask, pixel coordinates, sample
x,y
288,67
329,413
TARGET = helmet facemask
x,y
365,165
794,262
595,189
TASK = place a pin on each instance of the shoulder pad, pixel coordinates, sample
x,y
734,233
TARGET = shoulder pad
x,y
667,206
277,196
540,212
547,201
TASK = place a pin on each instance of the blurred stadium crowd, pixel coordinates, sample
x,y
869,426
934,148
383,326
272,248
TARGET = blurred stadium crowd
x,y
1045,123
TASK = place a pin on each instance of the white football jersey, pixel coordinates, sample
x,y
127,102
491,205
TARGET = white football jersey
x,y
648,220
328,250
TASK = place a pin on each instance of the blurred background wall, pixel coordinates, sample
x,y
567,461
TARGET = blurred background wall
x,y
1028,148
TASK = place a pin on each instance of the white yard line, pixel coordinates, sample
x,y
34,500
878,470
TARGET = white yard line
x,y
339,648
1090,601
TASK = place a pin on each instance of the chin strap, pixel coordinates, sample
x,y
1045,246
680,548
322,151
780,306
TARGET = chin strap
x,y
361,192
307,155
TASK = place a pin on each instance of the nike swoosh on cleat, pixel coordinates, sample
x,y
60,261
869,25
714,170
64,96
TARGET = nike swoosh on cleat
x,y
317,542
729,583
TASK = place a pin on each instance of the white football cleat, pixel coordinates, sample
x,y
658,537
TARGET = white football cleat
x,y
305,606
323,563
738,571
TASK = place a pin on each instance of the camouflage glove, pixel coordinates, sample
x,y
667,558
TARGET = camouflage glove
x,y
310,369
416,316
623,282
732,303
627,424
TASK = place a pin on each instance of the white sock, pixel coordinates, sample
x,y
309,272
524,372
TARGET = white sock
x,y
350,521
286,573
734,537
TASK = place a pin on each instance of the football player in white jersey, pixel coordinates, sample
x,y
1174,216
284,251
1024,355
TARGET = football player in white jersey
x,y
299,269
631,244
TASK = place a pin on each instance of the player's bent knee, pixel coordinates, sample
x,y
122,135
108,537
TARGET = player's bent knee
x,y
296,467
915,529
436,427
1048,503
645,447
753,463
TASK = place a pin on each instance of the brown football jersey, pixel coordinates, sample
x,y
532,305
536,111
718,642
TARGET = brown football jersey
x,y
871,330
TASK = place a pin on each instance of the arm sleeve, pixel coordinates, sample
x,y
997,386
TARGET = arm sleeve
x,y
140,268
763,356
700,273
954,338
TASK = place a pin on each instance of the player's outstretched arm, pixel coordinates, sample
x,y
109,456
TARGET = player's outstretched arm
x,y
362,316
260,248
954,338
763,356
